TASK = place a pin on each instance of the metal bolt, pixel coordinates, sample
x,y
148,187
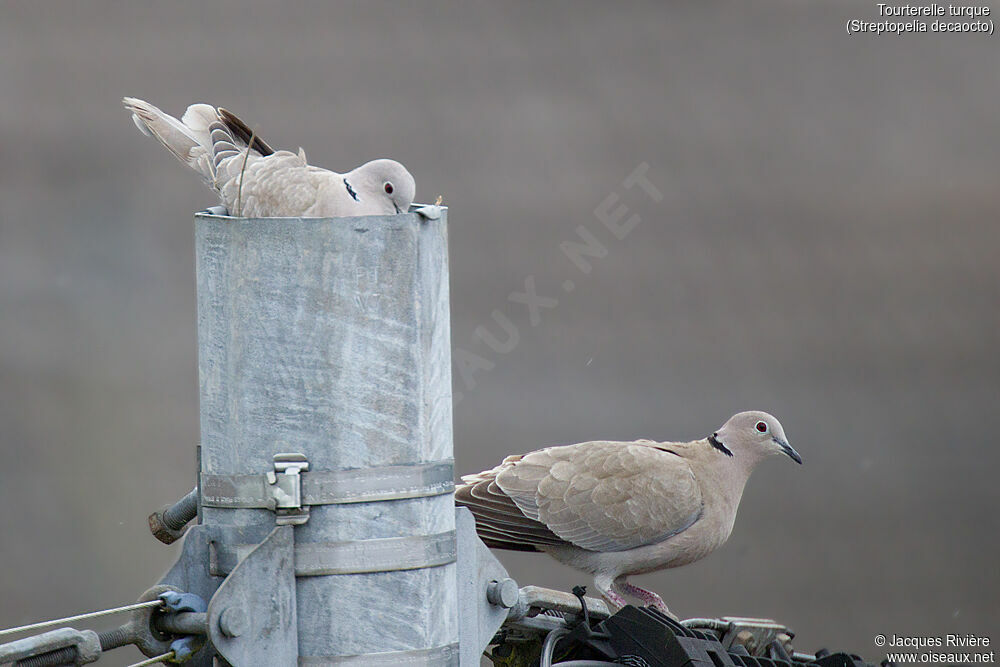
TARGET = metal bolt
x,y
170,522
233,621
503,593
744,637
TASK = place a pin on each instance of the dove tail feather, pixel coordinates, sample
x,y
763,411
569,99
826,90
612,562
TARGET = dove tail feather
x,y
187,139
223,144
170,132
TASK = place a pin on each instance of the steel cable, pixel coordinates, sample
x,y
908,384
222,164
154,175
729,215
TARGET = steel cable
x,y
81,617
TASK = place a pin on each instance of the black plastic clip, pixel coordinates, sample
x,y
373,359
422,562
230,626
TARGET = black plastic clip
x,y
582,630
579,592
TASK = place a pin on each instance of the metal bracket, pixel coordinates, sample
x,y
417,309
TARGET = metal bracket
x,y
193,571
285,484
753,634
485,590
252,616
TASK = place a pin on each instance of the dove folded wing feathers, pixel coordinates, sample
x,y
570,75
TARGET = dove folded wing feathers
x,y
600,496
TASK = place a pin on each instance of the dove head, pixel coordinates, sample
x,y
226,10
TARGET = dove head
x,y
389,181
753,436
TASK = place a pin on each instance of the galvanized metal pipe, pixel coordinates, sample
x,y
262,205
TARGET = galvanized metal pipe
x,y
330,337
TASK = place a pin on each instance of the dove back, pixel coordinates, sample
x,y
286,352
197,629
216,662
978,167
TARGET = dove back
x,y
330,338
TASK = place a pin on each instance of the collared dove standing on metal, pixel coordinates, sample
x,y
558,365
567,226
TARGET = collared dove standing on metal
x,y
253,180
615,509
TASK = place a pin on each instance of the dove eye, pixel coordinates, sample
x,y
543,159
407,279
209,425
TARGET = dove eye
x,y
388,188
762,427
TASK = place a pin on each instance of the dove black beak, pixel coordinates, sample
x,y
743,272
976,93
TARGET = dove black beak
x,y
396,206
785,447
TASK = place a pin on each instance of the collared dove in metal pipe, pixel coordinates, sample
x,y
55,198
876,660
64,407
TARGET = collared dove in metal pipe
x,y
614,509
253,180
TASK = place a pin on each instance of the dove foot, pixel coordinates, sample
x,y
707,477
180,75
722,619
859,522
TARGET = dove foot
x,y
648,597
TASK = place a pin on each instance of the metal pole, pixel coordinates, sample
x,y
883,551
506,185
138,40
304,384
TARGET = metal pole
x,y
330,338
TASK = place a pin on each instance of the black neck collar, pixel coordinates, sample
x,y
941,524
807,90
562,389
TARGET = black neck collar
x,y
715,442
350,190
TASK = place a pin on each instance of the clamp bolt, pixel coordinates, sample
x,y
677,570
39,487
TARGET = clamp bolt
x,y
233,621
503,593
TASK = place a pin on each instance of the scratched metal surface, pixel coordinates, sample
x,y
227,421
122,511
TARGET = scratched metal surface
x,y
331,337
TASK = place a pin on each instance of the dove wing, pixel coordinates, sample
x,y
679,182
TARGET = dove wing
x,y
605,496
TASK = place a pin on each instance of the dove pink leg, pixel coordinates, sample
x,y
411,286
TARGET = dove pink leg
x,y
648,597
606,587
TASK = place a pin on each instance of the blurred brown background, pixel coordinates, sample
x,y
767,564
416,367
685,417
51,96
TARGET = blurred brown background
x,y
826,250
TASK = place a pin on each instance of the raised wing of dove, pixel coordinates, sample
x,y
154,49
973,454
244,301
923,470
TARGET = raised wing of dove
x,y
253,180
615,509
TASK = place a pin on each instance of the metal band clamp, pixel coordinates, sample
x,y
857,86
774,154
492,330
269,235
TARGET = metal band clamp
x,y
388,554
330,487
438,656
